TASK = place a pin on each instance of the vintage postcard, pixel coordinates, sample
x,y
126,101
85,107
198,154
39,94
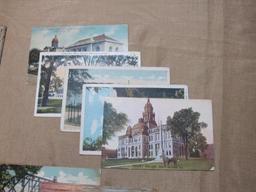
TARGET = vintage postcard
x,y
77,76
93,104
153,133
124,189
2,39
46,178
53,187
92,38
52,70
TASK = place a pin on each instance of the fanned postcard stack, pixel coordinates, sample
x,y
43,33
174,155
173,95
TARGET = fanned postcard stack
x,y
129,114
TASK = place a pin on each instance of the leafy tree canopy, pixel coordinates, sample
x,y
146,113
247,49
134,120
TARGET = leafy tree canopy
x,y
185,124
93,145
76,80
113,122
19,171
197,143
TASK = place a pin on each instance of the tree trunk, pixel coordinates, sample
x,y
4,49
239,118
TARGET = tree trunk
x,y
186,147
47,85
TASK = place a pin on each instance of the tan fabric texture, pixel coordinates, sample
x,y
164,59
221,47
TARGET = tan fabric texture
x,y
208,45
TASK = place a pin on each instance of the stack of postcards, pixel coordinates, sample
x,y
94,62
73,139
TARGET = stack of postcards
x,y
128,114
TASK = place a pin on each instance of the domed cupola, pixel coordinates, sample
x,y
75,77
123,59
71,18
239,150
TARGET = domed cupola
x,y
55,42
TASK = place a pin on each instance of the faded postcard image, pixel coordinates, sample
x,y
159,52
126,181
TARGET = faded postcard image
x,y
2,39
52,187
104,38
77,76
93,100
24,178
151,133
52,71
124,189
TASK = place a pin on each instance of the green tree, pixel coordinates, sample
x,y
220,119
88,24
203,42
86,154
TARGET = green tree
x,y
56,83
19,171
113,122
48,68
91,144
197,144
48,73
185,124
76,79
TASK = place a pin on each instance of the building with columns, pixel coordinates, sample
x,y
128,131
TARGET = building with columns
x,y
146,139
97,43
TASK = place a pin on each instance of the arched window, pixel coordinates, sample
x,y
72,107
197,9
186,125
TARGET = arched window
x,y
132,151
110,48
116,48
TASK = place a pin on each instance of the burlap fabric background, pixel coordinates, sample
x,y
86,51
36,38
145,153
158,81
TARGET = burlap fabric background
x,y
208,45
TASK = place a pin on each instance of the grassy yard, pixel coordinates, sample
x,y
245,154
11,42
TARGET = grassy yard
x,y
111,162
54,106
193,164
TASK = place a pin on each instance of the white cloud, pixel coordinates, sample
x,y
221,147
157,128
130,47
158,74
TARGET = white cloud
x,y
101,119
101,99
80,178
66,36
94,126
42,38
160,78
114,93
41,174
91,96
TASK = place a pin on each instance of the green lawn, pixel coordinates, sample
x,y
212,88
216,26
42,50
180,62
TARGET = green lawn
x,y
111,162
195,164
54,106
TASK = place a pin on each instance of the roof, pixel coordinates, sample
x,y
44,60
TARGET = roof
x,y
95,39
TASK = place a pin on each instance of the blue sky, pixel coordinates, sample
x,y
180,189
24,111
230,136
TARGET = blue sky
x,y
94,106
93,103
156,75
67,35
123,76
71,175
162,107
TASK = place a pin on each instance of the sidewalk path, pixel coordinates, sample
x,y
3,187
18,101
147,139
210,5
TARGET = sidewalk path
x,y
131,164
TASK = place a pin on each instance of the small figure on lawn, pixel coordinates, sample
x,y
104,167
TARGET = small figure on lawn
x,y
167,161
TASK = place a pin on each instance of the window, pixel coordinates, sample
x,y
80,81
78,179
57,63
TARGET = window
x,y
97,48
132,151
110,48
116,48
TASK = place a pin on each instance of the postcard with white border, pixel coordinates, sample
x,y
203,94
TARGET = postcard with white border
x,y
46,178
51,73
93,104
157,133
77,76
92,38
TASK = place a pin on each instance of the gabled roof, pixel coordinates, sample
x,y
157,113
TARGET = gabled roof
x,y
94,39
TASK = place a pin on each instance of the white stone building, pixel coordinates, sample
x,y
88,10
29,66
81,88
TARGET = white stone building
x,y
146,139
96,43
